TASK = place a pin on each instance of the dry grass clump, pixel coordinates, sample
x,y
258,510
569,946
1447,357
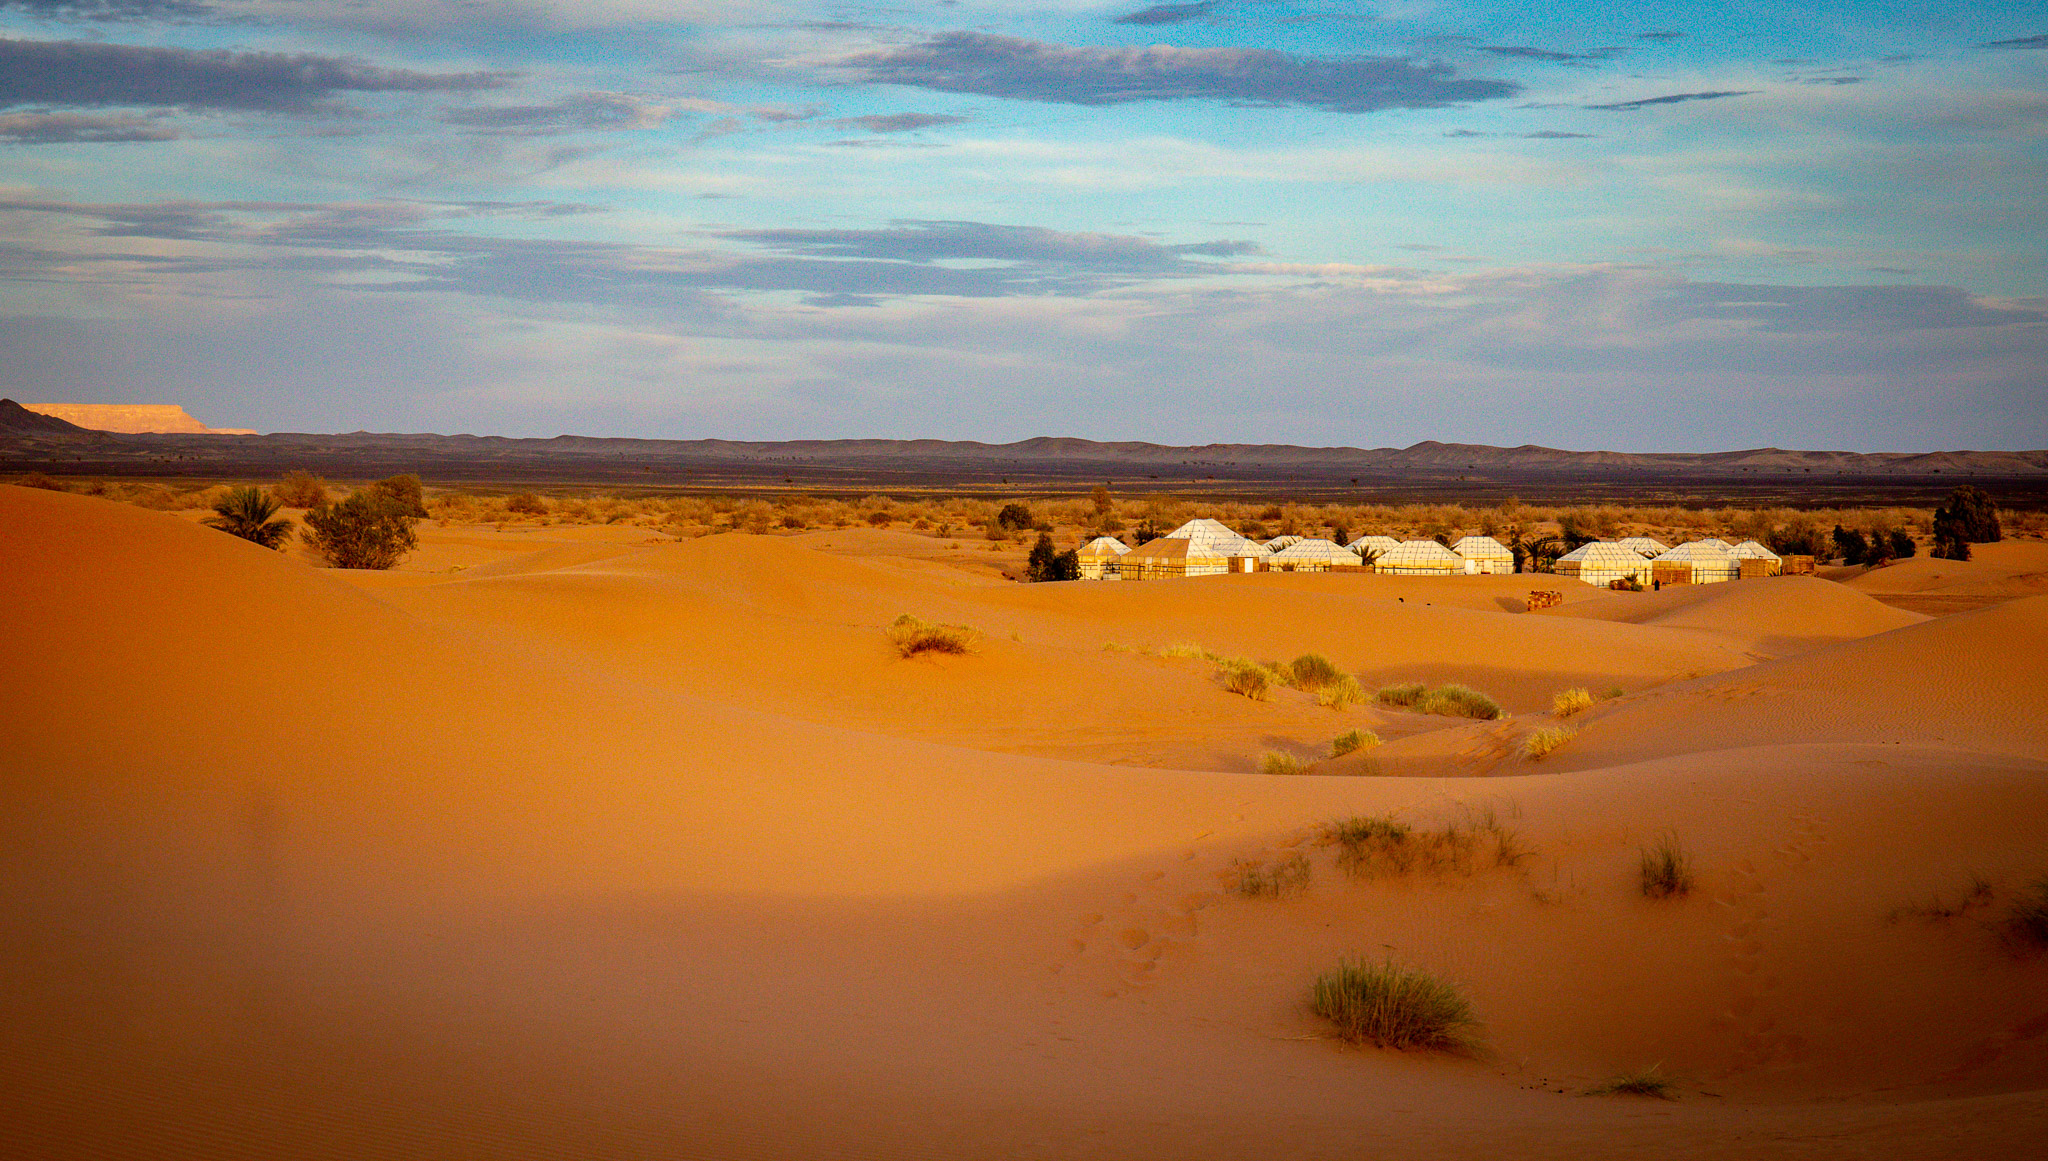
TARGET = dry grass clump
x,y
1275,762
1255,879
526,504
1566,702
1389,1006
914,635
1369,846
1352,741
1646,1082
1186,651
1456,701
299,489
1405,694
1542,742
1247,678
1666,869
2026,923
1311,672
1343,692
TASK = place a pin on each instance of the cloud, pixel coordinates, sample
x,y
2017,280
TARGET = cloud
x,y
925,242
1005,66
577,113
70,72
1526,53
1676,99
1661,34
2038,40
68,128
899,122
110,11
1166,14
1556,135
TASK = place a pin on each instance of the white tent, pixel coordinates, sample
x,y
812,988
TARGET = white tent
x,y
1751,550
1420,558
1312,556
1098,558
1715,542
1709,563
1644,545
1280,542
1603,562
1374,545
1218,537
1485,554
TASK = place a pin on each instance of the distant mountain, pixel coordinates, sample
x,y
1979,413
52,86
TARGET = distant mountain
x,y
19,424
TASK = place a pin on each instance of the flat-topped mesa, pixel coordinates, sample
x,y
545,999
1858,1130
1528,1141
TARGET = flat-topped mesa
x,y
132,418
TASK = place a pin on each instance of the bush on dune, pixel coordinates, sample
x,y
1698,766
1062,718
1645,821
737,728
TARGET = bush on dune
x,y
1252,879
1247,678
1275,762
1405,694
1648,1082
2026,924
1665,869
367,530
406,493
913,635
1389,1006
1543,742
249,514
1566,702
1353,741
298,489
1312,671
1457,701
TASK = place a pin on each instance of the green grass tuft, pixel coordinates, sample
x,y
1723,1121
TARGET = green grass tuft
x,y
1352,741
1566,702
1253,879
1666,870
1646,1082
1275,762
914,635
1543,742
1390,1006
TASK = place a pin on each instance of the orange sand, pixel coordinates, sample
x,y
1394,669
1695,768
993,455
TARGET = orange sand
x,y
619,850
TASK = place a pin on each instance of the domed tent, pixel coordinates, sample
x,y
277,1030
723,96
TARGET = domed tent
x,y
1368,547
1420,558
1696,562
1486,554
1099,557
1646,546
1312,556
1756,560
1602,563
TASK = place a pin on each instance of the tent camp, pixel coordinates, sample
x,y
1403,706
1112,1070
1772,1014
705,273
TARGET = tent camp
x,y
1420,558
1312,556
1485,554
1696,562
1098,558
1602,563
1216,538
1172,556
1368,546
1756,560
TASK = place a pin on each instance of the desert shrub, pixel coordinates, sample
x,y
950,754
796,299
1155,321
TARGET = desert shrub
x,y
406,492
1611,692
1969,517
1275,762
249,514
1352,741
914,635
1903,547
1186,651
1371,846
1047,563
1457,701
1405,694
1253,879
526,504
1566,702
1345,691
1014,517
1389,1006
1311,672
1543,742
1247,678
299,489
1665,869
367,530
40,480
1647,1082
2026,923
1850,545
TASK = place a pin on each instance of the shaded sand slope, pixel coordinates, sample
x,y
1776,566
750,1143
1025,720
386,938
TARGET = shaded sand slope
x,y
1775,617
294,873
1972,681
1995,573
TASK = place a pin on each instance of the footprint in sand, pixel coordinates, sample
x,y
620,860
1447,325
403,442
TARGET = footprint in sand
x,y
1758,1038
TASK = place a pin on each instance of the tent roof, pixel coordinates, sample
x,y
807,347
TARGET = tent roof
x,y
1377,543
1647,545
1754,551
1218,537
1280,542
1604,552
1716,542
1105,546
1412,553
1698,550
1174,548
1482,548
1316,550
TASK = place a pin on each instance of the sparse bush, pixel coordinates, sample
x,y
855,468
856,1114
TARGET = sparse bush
x,y
1353,741
1406,694
1611,692
1247,678
40,480
367,530
1014,517
914,635
1666,869
1275,762
526,504
1186,651
406,492
248,513
1252,879
1541,743
1389,1006
2026,924
1566,702
1457,701
1343,692
1371,846
1312,671
298,489
1646,1082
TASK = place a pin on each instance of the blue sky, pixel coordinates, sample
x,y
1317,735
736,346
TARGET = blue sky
x,y
1648,226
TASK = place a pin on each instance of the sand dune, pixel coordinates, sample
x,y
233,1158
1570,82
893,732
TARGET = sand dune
x,y
1774,617
1995,573
490,866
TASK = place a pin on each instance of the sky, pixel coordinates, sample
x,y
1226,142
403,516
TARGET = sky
x,y
1646,226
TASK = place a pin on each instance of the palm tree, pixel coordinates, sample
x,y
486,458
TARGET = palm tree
x,y
247,512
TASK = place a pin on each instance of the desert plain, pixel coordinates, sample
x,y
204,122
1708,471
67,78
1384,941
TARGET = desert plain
x,y
585,841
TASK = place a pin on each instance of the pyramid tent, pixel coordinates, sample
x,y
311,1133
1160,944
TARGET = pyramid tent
x,y
1379,545
1313,556
1714,542
1708,563
1420,558
1217,536
1604,562
1098,558
1280,542
1486,554
1648,546
1751,550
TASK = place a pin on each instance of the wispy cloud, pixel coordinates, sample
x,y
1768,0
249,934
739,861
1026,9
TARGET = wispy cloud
x,y
930,241
1007,66
71,72
1676,99
899,122
1166,14
1661,34
2038,40
1525,52
110,11
576,113
70,128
